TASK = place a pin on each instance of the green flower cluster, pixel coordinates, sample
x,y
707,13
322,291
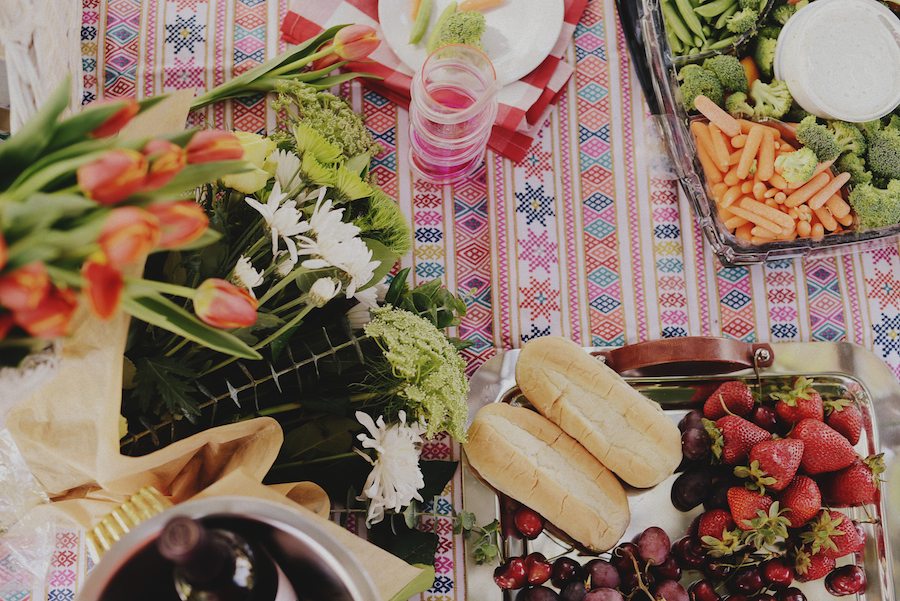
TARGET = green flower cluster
x,y
432,376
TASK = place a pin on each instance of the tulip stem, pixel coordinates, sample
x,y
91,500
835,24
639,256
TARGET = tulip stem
x,y
66,277
138,285
302,62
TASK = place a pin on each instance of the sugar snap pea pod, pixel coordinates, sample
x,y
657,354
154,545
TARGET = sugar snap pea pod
x,y
714,8
690,19
698,41
421,24
674,43
707,31
723,18
722,44
677,25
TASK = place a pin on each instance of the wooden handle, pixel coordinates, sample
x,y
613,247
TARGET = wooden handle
x,y
696,355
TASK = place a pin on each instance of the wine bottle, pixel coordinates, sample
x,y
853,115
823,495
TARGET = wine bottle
x,y
219,565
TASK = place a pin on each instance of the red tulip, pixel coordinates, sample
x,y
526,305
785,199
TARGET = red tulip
x,y
221,304
352,43
50,319
166,160
4,251
117,120
213,145
114,176
103,285
25,287
128,235
6,324
181,222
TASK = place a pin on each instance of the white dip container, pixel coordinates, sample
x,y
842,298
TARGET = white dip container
x,y
841,59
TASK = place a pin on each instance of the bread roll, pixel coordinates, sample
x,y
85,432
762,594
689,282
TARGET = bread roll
x,y
625,430
522,454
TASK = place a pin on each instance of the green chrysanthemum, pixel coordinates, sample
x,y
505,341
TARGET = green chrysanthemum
x,y
309,140
315,172
350,185
383,220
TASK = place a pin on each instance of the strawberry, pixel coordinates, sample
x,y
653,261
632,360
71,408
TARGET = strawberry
x,y
773,464
833,534
801,402
731,397
854,485
802,500
746,505
812,566
845,417
716,530
733,437
824,450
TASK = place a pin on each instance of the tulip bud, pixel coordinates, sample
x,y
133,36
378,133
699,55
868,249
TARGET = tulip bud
x,y
355,42
25,287
128,235
6,324
117,120
114,176
181,222
4,251
221,304
50,319
166,160
213,145
103,287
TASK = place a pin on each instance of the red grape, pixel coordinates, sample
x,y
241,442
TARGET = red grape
x,y
791,594
690,553
537,568
692,420
564,571
573,591
668,570
537,593
623,557
511,574
777,573
703,590
602,574
670,590
747,580
603,594
846,580
529,523
695,444
653,545
764,597
690,489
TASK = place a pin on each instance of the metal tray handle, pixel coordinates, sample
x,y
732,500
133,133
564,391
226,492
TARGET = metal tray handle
x,y
694,355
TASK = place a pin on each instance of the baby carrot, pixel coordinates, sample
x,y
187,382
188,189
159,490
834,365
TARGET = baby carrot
x,y
817,232
754,139
733,193
807,190
744,232
731,177
766,167
768,212
770,193
846,220
739,141
715,114
778,182
746,126
709,167
759,190
822,167
734,158
718,190
826,218
803,228
732,223
838,206
719,147
747,187
780,197
756,218
702,136
761,232
819,198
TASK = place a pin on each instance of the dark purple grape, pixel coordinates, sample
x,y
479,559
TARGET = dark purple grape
x,y
573,591
690,489
603,594
747,580
670,590
846,580
623,557
695,444
737,597
703,590
764,597
690,553
653,545
602,574
718,493
692,420
631,580
564,571
668,570
537,593
791,594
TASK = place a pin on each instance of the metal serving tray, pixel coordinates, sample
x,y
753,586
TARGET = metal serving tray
x,y
837,368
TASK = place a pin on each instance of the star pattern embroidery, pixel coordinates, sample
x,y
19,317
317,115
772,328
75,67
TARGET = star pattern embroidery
x,y
540,298
887,335
538,251
184,33
886,288
535,205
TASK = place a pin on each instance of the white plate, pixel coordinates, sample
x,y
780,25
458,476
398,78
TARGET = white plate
x,y
519,34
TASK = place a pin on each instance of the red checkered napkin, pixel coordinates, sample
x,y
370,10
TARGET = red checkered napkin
x,y
523,104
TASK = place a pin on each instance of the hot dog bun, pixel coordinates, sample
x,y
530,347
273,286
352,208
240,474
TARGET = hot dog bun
x,y
527,457
626,431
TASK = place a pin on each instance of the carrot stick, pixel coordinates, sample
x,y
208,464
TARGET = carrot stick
x,y
817,232
778,182
702,136
756,218
807,190
732,223
709,168
739,141
715,114
750,70
747,187
838,206
416,5
754,139
826,218
719,147
846,220
733,193
746,126
803,228
766,166
735,157
768,212
743,232
822,167
481,5
719,189
759,190
761,232
731,178
819,198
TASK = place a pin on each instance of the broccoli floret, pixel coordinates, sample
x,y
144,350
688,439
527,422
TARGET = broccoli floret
x,y
769,31
848,137
819,138
796,114
737,106
742,21
876,207
884,153
869,127
751,4
797,167
764,55
696,81
782,13
463,27
856,166
773,100
729,71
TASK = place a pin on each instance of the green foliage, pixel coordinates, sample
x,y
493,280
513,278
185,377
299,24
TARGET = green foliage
x,y
484,540
697,81
430,300
167,381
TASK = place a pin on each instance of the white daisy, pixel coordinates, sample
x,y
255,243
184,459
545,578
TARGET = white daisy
x,y
287,168
396,476
245,275
282,218
359,265
284,264
323,290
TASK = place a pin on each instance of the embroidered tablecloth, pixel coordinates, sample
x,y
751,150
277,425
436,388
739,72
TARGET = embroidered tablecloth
x,y
587,237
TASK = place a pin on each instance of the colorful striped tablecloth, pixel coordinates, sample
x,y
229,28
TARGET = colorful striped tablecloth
x,y
588,237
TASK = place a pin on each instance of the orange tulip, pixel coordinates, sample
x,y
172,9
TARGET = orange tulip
x,y
166,160
221,304
25,287
117,120
4,251
6,324
50,319
213,145
114,176
181,222
103,287
352,43
128,235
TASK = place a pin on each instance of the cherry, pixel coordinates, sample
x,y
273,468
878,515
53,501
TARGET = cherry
x,y
747,580
717,571
511,574
574,591
528,523
689,552
791,594
668,570
703,590
777,573
565,570
624,556
846,580
764,417
537,568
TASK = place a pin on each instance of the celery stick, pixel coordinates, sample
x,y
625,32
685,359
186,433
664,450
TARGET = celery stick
x,y
421,24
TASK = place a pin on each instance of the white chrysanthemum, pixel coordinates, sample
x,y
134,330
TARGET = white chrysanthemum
x,y
287,168
358,316
282,218
396,476
359,265
323,290
284,264
245,275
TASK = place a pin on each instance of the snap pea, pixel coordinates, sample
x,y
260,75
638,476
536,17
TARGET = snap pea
x,y
675,22
690,19
724,43
698,41
421,23
723,18
707,31
674,43
717,7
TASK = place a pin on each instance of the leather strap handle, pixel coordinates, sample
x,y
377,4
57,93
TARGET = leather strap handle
x,y
695,355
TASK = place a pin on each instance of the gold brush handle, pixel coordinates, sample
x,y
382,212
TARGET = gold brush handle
x,y
141,506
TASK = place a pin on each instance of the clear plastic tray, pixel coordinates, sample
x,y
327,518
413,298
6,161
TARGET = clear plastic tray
x,y
674,121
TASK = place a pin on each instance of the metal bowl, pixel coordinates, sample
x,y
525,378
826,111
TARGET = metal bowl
x,y
319,568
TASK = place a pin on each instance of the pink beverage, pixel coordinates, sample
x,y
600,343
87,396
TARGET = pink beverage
x,y
454,103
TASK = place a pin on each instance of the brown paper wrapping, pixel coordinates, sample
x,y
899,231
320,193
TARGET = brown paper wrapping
x,y
68,433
